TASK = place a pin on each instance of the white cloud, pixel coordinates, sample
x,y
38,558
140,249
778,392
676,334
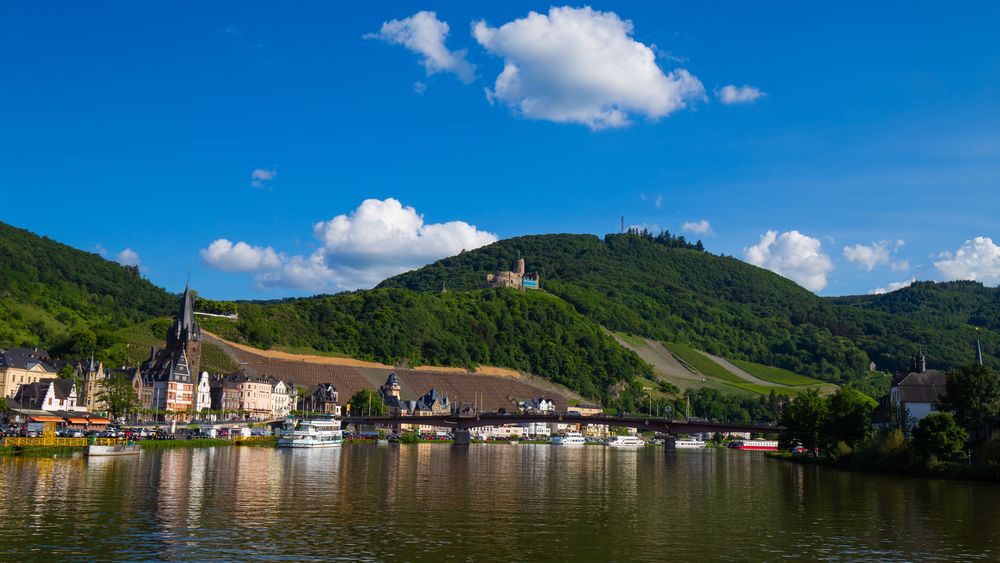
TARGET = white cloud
x,y
731,94
261,177
892,287
658,202
127,257
868,256
977,259
877,254
240,257
425,35
419,87
796,256
701,227
100,250
580,65
380,238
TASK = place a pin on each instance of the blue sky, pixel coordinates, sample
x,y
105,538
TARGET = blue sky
x,y
139,126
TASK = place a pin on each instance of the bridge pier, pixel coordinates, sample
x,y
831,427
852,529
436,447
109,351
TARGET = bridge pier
x,y
463,437
670,443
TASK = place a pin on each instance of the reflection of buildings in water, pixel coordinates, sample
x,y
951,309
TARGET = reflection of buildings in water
x,y
172,477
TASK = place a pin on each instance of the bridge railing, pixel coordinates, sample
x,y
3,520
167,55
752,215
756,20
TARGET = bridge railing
x,y
20,441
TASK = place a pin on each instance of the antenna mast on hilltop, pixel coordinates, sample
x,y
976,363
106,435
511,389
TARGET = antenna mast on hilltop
x,y
622,227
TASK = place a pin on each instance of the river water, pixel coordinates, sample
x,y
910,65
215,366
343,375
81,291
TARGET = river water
x,y
434,502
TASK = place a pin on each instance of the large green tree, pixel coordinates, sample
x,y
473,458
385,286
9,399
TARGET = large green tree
x,y
974,397
367,402
848,419
803,420
119,396
938,437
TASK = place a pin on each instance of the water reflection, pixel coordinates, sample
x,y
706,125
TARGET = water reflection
x,y
431,502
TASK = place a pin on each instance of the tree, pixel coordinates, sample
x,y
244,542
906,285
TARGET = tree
x,y
938,437
803,420
974,397
900,418
365,402
66,372
119,396
849,418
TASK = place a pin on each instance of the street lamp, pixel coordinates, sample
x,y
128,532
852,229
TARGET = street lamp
x,y
667,411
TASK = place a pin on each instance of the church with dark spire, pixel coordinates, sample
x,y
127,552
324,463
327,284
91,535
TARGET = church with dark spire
x,y
172,372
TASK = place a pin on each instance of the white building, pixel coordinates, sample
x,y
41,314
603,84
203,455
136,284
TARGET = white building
x,y
502,432
203,399
281,400
919,391
540,429
48,395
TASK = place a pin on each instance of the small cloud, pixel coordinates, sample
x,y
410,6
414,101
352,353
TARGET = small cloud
x,y
658,202
900,265
127,257
419,87
892,287
100,250
424,34
701,227
793,255
731,94
977,259
877,254
240,257
261,177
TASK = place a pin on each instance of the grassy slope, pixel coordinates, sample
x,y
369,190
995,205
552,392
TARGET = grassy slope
x,y
775,375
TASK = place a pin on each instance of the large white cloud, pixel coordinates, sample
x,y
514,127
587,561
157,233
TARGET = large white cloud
x,y
977,259
580,65
731,94
380,238
794,255
425,35
240,257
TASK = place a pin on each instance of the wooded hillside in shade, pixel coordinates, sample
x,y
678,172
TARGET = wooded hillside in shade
x,y
632,284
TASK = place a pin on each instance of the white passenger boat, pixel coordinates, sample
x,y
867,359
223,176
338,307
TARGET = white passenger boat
x,y
627,441
95,450
319,433
568,439
689,444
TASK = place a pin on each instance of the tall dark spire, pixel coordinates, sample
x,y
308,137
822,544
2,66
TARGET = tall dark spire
x,y
185,317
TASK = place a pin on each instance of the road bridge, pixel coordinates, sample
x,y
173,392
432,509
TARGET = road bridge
x,y
462,424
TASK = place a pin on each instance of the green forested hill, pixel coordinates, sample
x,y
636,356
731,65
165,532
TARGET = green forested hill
x,y
56,296
636,284
531,332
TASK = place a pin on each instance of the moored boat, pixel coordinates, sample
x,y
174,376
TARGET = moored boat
x,y
755,445
689,444
100,450
626,441
318,433
568,439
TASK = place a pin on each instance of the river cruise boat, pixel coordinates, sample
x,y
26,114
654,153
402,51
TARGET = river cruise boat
x,y
320,433
569,439
689,444
629,442
755,445
97,450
